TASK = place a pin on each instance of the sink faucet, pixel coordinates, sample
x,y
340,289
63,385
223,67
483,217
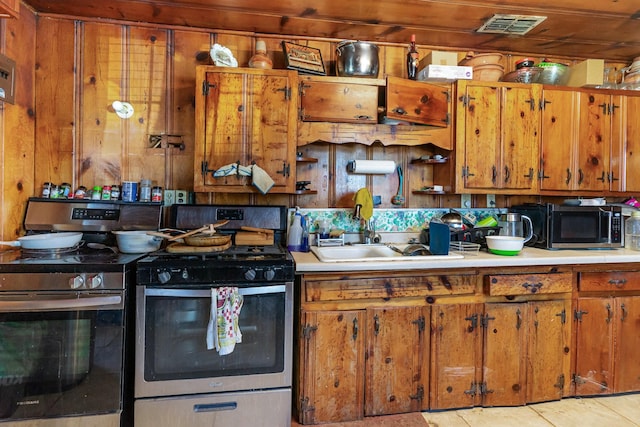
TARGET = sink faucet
x,y
369,234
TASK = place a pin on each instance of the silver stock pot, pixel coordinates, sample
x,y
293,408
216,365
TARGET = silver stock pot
x,y
357,59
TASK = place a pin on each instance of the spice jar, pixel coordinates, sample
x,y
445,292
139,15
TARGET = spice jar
x,y
81,192
55,192
145,190
65,189
96,194
115,192
156,194
46,190
106,192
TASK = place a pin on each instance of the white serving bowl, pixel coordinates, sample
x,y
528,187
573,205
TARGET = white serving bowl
x,y
505,245
137,242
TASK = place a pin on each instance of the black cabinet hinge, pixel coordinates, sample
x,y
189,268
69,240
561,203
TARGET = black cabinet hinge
x,y
560,383
578,315
419,394
206,86
307,330
420,322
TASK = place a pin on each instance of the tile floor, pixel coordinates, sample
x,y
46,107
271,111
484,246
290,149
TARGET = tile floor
x,y
618,411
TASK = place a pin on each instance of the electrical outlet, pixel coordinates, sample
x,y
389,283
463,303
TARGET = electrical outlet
x,y
182,197
491,200
169,197
465,200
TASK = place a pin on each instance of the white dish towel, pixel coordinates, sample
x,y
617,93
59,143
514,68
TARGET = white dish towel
x,y
223,330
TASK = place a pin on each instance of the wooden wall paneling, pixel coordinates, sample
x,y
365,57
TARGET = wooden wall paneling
x,y
187,50
146,84
386,185
317,173
347,184
393,61
417,176
55,96
17,125
102,133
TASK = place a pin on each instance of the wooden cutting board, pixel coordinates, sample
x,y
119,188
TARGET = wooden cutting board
x,y
183,249
255,238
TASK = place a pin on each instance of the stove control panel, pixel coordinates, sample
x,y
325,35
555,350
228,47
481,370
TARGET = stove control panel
x,y
228,274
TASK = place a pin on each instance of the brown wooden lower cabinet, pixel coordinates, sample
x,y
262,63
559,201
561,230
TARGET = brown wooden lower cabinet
x,y
499,354
608,339
372,343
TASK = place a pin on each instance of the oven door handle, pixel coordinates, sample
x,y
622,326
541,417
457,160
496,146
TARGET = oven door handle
x,y
51,304
206,293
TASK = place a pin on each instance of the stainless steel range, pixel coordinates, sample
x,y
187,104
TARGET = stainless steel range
x,y
64,315
180,378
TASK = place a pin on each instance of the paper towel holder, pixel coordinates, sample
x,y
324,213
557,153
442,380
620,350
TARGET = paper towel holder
x,y
388,168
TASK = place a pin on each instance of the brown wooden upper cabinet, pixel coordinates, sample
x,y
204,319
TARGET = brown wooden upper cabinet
x,y
589,138
9,8
497,137
339,99
361,100
243,117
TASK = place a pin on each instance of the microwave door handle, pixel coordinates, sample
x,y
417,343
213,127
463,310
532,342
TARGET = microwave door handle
x,y
61,304
206,293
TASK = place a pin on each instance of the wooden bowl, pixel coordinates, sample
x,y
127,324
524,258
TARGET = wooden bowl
x,y
488,72
207,239
472,60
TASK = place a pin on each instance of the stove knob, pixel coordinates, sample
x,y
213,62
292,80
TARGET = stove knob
x,y
269,274
95,281
250,274
76,282
164,276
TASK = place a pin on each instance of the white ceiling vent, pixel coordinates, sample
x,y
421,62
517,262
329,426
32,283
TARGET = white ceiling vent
x,y
511,24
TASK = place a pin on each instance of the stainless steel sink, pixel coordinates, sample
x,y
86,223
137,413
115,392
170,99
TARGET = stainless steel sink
x,y
368,253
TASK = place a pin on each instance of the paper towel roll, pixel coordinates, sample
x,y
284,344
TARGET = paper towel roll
x,y
371,166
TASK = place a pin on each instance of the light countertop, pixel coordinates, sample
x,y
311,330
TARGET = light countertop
x,y
307,261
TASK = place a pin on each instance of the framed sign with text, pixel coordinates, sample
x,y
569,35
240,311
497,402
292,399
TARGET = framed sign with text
x,y
305,59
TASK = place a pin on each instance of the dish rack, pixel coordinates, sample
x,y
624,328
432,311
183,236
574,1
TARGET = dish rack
x,y
467,247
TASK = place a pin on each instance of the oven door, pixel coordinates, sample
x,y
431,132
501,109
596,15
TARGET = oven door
x,y
60,354
171,348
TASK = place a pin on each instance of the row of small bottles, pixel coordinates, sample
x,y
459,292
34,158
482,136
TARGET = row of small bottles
x,y
128,192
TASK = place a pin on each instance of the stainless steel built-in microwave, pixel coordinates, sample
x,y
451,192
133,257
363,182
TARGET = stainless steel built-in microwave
x,y
584,227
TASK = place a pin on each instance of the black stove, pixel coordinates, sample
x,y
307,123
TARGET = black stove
x,y
240,265
95,219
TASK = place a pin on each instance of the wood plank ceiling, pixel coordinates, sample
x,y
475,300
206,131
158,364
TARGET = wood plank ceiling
x,y
608,29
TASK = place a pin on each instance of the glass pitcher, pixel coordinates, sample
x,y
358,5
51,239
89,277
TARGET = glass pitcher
x,y
512,224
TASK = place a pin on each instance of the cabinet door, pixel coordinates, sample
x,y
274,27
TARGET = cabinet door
x,y
520,124
505,351
478,136
594,346
499,143
455,373
9,8
418,102
631,144
332,383
548,354
248,117
627,368
338,99
558,139
396,373
594,140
